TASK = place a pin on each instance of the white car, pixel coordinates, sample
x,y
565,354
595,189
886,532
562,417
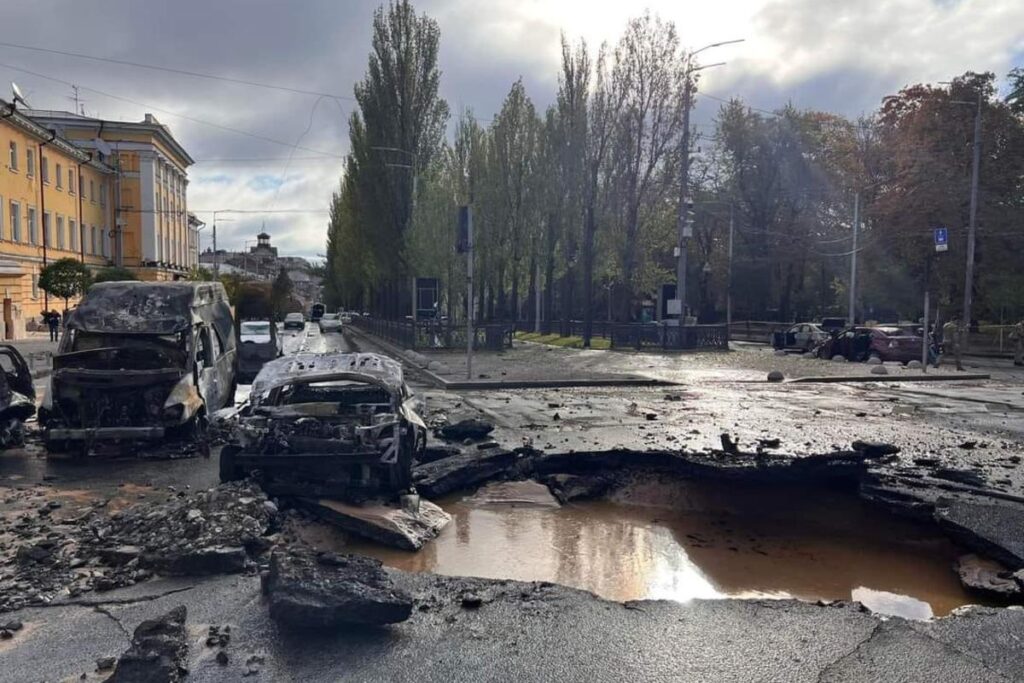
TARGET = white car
x,y
346,318
330,322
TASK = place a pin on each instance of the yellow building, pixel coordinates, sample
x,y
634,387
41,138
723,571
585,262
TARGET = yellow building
x,y
153,235
104,192
55,203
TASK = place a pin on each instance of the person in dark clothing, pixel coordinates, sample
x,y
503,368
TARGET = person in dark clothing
x,y
53,322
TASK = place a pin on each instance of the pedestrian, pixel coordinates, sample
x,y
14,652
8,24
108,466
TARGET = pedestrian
x,y
53,322
1017,335
952,340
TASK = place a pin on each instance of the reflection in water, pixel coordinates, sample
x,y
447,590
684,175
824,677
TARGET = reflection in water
x,y
696,540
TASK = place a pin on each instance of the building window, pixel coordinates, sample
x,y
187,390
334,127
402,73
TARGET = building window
x,y
30,162
92,190
103,193
47,231
71,181
103,241
33,238
92,240
60,232
81,185
44,168
12,161
73,234
15,222
35,286
60,177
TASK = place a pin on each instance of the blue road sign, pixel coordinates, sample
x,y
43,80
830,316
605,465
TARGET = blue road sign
x,y
941,239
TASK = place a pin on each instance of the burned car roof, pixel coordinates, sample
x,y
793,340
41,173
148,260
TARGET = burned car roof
x,y
143,307
312,367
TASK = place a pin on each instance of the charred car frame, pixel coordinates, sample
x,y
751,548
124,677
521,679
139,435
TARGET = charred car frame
x,y
17,396
140,361
337,425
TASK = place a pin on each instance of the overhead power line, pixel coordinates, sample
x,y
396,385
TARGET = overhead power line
x,y
229,129
183,72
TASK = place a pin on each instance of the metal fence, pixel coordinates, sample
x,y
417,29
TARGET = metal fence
x,y
435,334
654,336
599,328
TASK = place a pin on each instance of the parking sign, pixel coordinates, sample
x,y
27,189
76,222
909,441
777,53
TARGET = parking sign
x,y
941,239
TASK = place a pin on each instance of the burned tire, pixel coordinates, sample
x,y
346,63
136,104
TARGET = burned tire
x,y
228,470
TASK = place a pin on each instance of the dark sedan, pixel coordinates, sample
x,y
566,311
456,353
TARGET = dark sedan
x,y
862,343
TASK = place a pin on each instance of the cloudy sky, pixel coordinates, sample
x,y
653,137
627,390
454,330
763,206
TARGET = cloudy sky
x,y
270,150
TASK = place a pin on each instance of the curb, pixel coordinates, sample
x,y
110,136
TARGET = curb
x,y
467,385
962,377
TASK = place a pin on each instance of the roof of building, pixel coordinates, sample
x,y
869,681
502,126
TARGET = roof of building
x,y
149,124
28,124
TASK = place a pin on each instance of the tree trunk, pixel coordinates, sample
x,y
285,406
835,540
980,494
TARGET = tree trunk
x,y
588,276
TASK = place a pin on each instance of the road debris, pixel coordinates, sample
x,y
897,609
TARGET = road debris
x,y
158,653
309,591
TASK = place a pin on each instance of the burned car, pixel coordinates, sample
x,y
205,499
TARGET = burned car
x,y
17,396
138,362
339,425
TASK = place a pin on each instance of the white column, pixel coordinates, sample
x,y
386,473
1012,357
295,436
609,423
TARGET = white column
x,y
147,222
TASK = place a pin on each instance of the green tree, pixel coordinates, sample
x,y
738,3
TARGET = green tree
x,y
65,278
113,274
395,135
281,292
199,274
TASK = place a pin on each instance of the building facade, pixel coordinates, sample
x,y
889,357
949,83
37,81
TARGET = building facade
x,y
55,202
103,192
153,234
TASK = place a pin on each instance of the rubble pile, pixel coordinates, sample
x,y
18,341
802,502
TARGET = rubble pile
x,y
46,558
208,532
311,590
158,653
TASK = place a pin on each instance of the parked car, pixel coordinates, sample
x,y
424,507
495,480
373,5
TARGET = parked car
x,y
294,321
17,396
337,425
862,343
802,336
346,318
258,344
330,322
138,362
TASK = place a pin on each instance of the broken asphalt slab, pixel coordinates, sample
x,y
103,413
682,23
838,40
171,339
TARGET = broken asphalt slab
x,y
309,591
535,632
393,526
992,529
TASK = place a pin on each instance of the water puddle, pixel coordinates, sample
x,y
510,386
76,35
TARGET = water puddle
x,y
685,540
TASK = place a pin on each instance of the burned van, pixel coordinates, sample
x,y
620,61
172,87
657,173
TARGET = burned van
x,y
138,362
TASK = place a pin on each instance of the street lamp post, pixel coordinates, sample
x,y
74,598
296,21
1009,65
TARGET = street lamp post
x,y
682,223
973,212
972,225
411,167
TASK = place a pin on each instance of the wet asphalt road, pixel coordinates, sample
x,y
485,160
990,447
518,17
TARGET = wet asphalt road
x,y
525,633
530,632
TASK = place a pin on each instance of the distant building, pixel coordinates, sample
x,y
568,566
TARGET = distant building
x,y
262,262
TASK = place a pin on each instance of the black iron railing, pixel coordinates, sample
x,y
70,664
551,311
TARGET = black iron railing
x,y
436,334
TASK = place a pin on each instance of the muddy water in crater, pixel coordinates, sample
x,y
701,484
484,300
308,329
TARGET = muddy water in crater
x,y
683,540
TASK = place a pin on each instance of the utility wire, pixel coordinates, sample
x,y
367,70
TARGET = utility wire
x,y
183,72
172,113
